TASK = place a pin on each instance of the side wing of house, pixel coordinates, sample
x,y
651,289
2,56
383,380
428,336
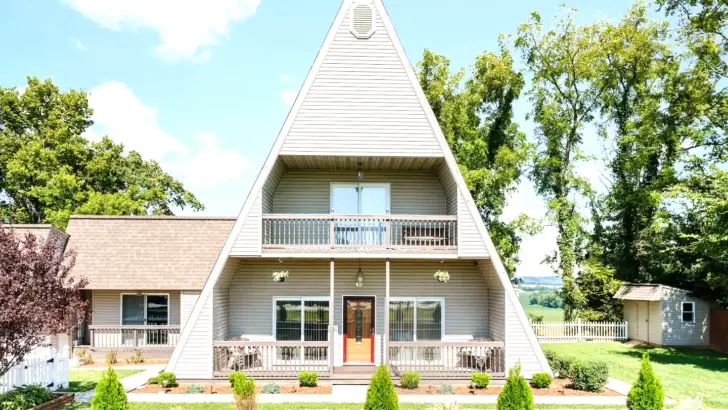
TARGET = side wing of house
x,y
361,99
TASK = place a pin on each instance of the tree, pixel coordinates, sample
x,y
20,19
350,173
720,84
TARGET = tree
x,y
38,296
476,117
646,393
49,171
563,64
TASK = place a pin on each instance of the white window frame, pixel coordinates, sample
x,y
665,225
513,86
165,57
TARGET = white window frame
x,y
683,311
424,299
303,300
358,185
121,306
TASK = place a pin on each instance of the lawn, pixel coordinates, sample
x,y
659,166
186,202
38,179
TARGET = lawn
x,y
685,372
85,380
321,406
549,314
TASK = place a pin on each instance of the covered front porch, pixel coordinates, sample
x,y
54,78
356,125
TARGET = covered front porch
x,y
331,315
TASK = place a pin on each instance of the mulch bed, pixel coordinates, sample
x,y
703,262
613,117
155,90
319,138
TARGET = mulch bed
x,y
223,388
59,401
559,387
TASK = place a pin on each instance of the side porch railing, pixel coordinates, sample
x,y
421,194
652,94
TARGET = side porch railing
x,y
134,337
271,359
447,360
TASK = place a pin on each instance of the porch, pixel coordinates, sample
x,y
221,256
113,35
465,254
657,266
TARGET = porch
x,y
333,315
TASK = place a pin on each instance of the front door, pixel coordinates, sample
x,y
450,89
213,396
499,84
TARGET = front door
x,y
359,329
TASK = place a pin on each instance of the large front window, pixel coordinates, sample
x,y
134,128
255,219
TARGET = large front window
x,y
311,326
413,319
144,310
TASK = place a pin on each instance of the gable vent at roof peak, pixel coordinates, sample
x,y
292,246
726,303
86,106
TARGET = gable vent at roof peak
x,y
362,21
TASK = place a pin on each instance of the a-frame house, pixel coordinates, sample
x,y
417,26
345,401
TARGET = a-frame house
x,y
333,258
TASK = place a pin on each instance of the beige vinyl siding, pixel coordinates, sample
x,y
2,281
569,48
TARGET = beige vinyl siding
x,y
518,347
675,332
470,242
188,298
249,240
195,360
361,102
496,301
271,184
252,292
309,191
221,301
450,188
106,308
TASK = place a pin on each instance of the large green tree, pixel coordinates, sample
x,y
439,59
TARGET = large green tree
x,y
476,117
49,171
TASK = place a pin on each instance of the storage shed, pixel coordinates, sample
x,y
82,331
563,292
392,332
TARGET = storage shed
x,y
663,315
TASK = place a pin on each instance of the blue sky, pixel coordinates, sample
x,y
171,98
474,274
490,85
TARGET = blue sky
x,y
204,87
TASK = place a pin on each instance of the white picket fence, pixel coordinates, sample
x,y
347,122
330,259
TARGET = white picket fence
x,y
578,330
44,367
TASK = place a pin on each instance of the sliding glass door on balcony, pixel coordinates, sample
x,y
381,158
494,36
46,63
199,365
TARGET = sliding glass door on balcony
x,y
144,310
352,200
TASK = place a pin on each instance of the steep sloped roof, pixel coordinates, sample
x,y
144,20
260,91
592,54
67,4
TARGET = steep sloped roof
x,y
150,252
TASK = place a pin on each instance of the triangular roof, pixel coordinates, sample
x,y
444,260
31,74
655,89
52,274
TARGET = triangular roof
x,y
430,136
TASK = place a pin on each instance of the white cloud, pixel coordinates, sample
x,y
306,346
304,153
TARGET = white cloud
x,y
119,114
187,28
285,78
79,45
288,96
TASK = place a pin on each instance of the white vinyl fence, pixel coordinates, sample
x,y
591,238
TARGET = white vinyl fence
x,y
576,331
44,367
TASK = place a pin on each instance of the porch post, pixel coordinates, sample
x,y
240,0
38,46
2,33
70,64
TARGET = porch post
x,y
331,317
385,337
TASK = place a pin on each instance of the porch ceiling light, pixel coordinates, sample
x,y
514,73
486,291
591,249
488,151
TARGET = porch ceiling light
x,y
359,279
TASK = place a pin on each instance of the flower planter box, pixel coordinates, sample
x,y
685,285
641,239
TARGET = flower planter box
x,y
59,401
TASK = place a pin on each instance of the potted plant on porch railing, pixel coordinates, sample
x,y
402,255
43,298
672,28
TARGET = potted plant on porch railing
x,y
280,276
442,276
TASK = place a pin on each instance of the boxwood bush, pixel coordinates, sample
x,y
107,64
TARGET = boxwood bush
x,y
381,394
560,364
541,380
589,375
170,377
308,379
480,380
232,376
410,380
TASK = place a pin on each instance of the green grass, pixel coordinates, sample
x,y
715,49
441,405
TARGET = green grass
x,y
684,372
322,406
85,380
549,314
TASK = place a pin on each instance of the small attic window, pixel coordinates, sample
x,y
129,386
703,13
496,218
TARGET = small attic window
x,y
362,21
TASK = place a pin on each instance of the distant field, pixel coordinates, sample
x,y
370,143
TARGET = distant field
x,y
549,314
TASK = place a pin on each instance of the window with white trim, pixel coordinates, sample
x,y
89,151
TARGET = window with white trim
x,y
688,311
301,318
413,319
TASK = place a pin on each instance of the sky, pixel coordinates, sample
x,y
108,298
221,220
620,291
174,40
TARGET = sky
x,y
203,87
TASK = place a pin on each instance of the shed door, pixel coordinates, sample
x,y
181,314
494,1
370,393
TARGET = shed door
x,y
642,320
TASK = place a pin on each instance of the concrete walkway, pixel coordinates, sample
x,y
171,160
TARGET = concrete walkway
x,y
131,382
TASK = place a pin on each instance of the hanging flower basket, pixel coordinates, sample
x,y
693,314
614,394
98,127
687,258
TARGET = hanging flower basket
x,y
442,276
280,276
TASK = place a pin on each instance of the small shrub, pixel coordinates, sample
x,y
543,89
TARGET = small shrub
x,y
169,377
589,375
381,394
646,393
153,380
232,376
110,393
445,389
516,394
244,391
534,318
480,380
561,365
271,388
308,379
195,389
410,380
137,358
541,380
24,397
84,357
111,357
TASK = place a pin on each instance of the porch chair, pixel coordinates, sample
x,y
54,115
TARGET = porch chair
x,y
467,359
243,357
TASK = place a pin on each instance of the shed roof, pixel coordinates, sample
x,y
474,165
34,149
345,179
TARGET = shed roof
x,y
644,291
149,252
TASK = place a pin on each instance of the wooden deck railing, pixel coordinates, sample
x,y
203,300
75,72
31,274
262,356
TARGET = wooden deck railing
x,y
376,232
271,359
134,337
447,360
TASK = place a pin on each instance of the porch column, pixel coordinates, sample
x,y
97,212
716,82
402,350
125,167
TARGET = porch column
x,y
385,337
331,317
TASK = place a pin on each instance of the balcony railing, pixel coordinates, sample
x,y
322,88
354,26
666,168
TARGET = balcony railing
x,y
271,359
360,232
134,337
447,360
